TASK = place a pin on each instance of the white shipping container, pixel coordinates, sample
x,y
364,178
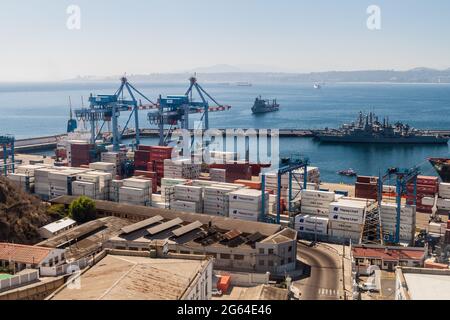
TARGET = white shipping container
x,y
345,234
348,207
137,183
443,204
317,211
313,194
249,196
390,227
311,220
311,230
350,218
391,209
317,203
187,206
392,218
88,178
428,201
244,213
353,227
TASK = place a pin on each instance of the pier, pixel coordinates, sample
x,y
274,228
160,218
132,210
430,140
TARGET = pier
x,y
50,142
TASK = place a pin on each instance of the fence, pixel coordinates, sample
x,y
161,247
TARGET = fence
x,y
65,268
19,280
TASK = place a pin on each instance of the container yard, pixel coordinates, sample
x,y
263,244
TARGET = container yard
x,y
333,213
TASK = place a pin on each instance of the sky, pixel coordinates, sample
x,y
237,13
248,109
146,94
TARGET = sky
x,y
158,36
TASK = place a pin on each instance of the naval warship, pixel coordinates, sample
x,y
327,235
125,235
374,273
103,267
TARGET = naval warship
x,y
442,167
263,106
368,129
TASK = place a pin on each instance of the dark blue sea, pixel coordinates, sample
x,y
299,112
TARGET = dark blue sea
x,y
28,110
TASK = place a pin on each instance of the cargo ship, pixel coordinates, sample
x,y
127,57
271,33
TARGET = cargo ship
x,y
442,167
368,129
264,106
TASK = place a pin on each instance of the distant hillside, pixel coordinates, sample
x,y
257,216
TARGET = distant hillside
x,y
225,73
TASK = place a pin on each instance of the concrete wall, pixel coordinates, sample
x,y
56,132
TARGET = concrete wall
x,y
39,291
246,279
201,286
282,258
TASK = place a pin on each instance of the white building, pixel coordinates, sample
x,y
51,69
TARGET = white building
x,y
137,276
18,257
422,284
55,228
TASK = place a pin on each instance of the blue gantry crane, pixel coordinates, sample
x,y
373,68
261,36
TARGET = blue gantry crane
x,y
7,146
107,108
287,165
403,177
174,111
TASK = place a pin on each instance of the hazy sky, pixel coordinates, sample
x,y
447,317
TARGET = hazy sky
x,y
146,36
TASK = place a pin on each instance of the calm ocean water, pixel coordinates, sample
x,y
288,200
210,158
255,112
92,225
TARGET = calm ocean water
x,y
28,110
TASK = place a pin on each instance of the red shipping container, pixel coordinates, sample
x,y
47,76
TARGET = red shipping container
x,y
427,180
366,179
144,148
423,189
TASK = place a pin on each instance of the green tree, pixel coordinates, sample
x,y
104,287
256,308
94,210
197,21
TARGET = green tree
x,y
57,211
83,210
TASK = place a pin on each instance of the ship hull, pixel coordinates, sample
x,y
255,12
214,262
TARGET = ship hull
x,y
442,167
383,140
265,110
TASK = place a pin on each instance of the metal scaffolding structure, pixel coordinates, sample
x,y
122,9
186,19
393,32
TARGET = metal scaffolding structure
x,y
7,149
107,108
174,110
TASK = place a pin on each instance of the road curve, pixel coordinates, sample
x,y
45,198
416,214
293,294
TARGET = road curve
x,y
325,274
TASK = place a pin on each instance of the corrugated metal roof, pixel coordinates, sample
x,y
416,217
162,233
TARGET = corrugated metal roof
x,y
188,228
59,225
232,234
141,224
164,226
223,223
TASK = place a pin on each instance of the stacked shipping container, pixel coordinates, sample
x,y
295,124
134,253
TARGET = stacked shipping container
x,y
366,187
426,187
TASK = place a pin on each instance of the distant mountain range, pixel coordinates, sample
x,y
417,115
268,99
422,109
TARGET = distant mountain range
x,y
231,74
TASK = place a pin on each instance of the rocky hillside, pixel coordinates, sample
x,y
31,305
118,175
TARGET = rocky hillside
x,y
21,214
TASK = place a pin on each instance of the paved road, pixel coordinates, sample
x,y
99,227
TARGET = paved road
x,y
325,272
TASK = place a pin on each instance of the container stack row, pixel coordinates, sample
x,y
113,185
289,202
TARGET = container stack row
x,y
407,221
426,187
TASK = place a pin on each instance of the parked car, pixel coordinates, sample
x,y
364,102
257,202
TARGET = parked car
x,y
368,286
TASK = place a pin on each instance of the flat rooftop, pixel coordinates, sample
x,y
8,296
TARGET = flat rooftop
x,y
428,286
135,278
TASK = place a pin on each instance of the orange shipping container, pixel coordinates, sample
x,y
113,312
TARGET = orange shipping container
x,y
248,183
224,283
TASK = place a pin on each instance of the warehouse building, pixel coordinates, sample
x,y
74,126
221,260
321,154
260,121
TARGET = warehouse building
x,y
234,244
422,284
139,277
57,227
86,239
